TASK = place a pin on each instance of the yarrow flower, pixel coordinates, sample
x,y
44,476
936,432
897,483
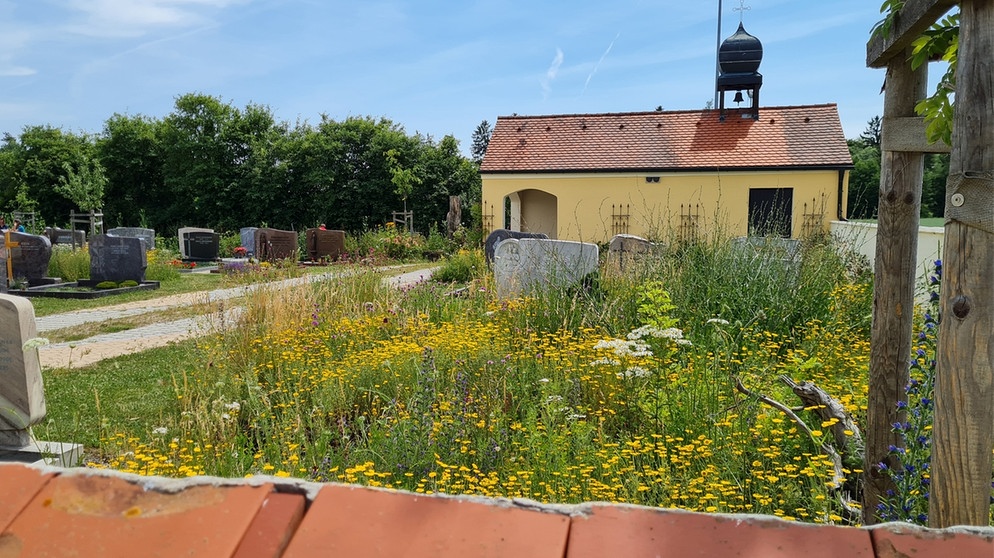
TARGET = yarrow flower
x,y
634,372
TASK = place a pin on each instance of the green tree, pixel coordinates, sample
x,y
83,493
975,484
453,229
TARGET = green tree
x,y
864,179
44,155
934,185
481,140
130,150
84,184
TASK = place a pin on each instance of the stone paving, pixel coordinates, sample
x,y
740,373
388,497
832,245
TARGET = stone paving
x,y
75,354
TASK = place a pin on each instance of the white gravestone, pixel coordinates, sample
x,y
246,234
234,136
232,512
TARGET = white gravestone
x,y
527,264
22,394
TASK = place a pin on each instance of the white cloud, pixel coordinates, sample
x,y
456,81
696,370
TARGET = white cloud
x,y
129,18
552,72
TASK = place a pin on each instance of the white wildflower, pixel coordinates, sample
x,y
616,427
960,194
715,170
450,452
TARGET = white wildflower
x,y
718,321
35,342
634,372
160,431
543,380
605,361
233,406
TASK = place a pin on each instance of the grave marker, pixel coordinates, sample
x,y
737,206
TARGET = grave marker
x,y
494,238
65,236
22,394
146,235
28,256
183,245
201,246
117,258
275,244
626,248
247,235
323,244
528,264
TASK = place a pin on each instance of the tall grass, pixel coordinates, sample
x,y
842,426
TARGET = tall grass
x,y
68,264
621,389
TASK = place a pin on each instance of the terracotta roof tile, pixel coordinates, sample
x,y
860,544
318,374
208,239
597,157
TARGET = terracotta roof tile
x,y
795,137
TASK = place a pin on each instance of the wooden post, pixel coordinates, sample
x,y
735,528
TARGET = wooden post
x,y
899,207
963,430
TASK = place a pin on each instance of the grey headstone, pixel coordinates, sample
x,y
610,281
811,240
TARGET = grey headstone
x,y
65,236
201,245
769,248
181,232
146,235
30,258
494,238
275,244
22,394
625,248
529,264
324,244
247,235
117,258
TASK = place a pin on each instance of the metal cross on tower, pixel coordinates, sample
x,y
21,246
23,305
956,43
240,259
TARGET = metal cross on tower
x,y
741,9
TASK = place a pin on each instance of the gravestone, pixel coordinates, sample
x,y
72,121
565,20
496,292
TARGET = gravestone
x,y
201,245
525,265
22,393
626,248
30,257
247,235
65,236
182,233
494,238
146,235
323,244
275,244
770,249
117,258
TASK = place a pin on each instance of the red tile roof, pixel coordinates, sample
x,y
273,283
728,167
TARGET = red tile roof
x,y
86,512
796,137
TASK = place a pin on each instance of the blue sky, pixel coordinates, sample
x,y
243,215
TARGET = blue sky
x,y
433,67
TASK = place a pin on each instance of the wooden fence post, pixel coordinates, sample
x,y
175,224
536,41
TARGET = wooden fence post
x,y
901,174
963,431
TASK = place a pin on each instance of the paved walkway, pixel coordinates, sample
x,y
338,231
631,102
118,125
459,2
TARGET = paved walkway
x,y
75,354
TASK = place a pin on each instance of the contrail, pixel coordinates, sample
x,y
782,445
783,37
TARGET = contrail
x,y
598,65
551,73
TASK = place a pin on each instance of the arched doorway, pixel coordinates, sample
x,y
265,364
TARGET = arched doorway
x,y
533,211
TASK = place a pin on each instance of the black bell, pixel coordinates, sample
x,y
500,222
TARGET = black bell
x,y
738,97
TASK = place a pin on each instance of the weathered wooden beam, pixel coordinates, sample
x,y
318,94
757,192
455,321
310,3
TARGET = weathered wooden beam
x,y
907,133
914,18
895,274
963,430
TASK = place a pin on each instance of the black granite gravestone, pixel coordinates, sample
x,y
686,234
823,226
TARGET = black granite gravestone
x,y
504,234
30,257
322,244
117,258
65,236
201,246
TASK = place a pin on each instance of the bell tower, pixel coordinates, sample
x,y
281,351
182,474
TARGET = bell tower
x,y
739,57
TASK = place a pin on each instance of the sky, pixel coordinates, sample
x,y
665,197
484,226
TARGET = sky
x,y
435,68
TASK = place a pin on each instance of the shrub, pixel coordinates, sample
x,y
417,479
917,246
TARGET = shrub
x,y
105,285
461,267
159,265
68,264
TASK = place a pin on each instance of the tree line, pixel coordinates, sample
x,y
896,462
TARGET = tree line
x,y
208,163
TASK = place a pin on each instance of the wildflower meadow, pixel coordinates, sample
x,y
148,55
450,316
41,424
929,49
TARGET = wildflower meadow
x,y
649,385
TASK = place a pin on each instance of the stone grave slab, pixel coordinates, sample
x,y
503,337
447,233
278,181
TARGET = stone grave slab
x,y
3,266
324,244
494,238
30,258
146,235
22,394
183,231
770,249
626,248
117,258
202,246
525,265
247,235
275,244
65,236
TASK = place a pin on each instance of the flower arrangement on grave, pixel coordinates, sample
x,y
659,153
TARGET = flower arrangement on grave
x,y
240,251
